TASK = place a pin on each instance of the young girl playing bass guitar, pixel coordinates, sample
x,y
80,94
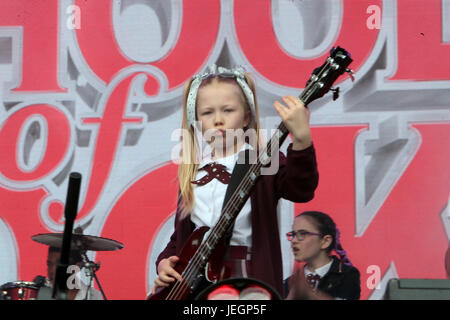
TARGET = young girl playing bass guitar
x,y
223,101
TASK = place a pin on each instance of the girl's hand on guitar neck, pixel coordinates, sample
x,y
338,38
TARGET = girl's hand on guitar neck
x,y
295,117
167,273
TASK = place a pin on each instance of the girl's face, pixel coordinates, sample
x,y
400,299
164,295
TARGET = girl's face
x,y
311,246
220,107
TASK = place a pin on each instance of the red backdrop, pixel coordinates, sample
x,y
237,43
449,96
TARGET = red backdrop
x,y
74,97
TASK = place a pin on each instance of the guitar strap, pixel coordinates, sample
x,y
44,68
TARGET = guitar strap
x,y
240,169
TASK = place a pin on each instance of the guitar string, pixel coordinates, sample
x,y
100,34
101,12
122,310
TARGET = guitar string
x,y
180,287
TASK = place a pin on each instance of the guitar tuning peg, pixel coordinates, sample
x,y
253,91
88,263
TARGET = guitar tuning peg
x,y
335,93
350,72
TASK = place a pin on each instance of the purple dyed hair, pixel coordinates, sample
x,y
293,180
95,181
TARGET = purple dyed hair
x,y
340,251
327,226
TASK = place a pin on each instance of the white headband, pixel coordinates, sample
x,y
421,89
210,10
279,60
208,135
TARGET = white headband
x,y
237,72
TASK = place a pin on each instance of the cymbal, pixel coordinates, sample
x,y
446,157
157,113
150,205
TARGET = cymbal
x,y
79,241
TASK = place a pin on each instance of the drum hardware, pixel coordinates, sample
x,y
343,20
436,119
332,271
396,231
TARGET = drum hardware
x,y
82,243
19,290
90,269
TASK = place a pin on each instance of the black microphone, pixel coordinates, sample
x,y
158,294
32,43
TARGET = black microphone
x,y
70,213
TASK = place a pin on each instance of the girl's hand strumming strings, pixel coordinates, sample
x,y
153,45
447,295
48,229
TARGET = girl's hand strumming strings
x,y
167,273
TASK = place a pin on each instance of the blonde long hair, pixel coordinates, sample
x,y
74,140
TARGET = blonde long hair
x,y
188,164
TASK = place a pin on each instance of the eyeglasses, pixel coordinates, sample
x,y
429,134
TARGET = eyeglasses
x,y
300,234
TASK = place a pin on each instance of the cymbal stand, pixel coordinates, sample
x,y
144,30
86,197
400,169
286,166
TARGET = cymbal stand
x,y
91,267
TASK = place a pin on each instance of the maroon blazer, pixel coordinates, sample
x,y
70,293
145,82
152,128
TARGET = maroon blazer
x,y
296,180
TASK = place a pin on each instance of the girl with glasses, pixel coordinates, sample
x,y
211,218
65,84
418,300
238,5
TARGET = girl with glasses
x,y
324,276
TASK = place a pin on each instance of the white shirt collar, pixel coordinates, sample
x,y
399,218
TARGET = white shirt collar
x,y
228,161
322,271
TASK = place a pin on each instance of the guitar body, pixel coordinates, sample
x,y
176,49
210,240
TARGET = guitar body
x,y
186,254
215,271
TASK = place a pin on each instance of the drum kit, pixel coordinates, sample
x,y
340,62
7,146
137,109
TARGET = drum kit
x,y
230,289
33,290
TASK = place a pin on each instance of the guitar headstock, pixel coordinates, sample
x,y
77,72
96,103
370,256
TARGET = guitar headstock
x,y
324,76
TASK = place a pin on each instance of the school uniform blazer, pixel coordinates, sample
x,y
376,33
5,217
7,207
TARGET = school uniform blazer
x,y
296,180
341,281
